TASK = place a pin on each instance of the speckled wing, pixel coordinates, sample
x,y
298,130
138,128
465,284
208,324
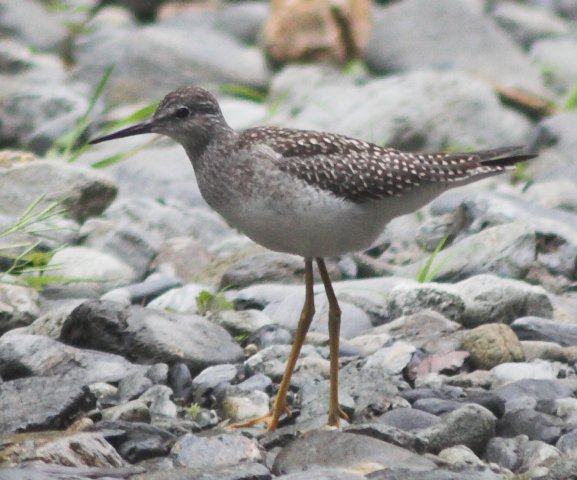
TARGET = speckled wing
x,y
361,171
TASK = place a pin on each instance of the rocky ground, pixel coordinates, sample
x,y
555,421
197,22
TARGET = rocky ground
x,y
153,322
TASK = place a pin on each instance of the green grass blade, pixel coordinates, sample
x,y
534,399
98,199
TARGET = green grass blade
x,y
425,274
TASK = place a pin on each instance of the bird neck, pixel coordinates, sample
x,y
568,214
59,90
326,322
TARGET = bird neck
x,y
203,149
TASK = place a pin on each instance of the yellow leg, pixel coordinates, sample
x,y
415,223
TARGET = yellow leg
x,y
305,320
335,412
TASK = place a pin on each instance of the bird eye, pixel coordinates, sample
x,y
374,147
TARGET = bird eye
x,y
182,113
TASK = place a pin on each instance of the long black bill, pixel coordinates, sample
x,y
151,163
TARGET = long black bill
x,y
138,129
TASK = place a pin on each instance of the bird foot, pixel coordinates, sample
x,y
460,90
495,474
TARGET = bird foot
x,y
336,416
270,420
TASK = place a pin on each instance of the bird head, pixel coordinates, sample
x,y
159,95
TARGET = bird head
x,y
189,115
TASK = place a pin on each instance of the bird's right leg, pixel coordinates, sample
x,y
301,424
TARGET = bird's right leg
x,y
306,317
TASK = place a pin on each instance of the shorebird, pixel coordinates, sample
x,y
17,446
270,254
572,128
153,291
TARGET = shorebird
x,y
308,193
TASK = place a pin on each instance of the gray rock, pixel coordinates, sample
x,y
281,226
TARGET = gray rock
x,y
386,433
528,24
179,380
506,452
139,440
400,111
567,443
243,21
18,306
180,300
33,403
562,128
142,292
264,267
504,250
243,322
353,452
555,227
492,344
83,192
242,471
158,373
76,450
529,389
132,386
427,330
470,425
169,180
125,241
391,360
169,259
176,61
371,389
159,399
536,349
286,313
133,411
271,360
536,425
49,324
33,23
411,299
537,454
215,451
169,219
408,419
453,30
451,394
32,355
240,405
457,473
314,400
490,299
537,370
37,111
437,406
545,329
86,272
207,380
369,343
322,473
460,456
553,56
146,335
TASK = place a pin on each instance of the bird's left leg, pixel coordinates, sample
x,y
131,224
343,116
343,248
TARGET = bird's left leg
x,y
335,411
